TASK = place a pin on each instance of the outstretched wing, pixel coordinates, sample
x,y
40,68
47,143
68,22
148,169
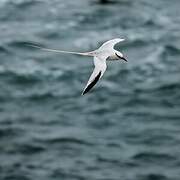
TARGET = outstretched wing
x,y
100,68
110,44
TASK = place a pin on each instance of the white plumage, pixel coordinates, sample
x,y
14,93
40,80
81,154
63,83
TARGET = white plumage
x,y
103,53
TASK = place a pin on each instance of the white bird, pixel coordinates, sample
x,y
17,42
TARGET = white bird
x,y
103,53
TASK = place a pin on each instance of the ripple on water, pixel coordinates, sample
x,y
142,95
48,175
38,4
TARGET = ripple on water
x,y
153,176
157,158
127,127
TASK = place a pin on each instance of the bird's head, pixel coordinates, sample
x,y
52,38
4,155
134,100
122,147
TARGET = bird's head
x,y
120,56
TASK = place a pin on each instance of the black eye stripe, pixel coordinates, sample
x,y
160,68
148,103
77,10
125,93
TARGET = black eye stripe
x,y
117,55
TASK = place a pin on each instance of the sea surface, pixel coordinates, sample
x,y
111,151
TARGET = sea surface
x,y
126,128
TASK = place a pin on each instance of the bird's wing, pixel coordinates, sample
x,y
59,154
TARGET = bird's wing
x,y
110,44
100,68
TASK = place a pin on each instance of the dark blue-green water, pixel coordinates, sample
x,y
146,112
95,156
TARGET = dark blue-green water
x,y
126,128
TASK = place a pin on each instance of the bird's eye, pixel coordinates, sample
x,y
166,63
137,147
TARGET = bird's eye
x,y
118,55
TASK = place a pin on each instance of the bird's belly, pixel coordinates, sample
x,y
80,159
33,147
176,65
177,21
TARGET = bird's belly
x,y
112,58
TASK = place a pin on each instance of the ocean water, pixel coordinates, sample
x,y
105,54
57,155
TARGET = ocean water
x,y
126,128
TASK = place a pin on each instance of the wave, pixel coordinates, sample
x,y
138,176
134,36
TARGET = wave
x,y
172,49
3,50
137,42
27,3
30,148
22,44
153,176
7,132
29,72
16,77
173,87
14,173
155,157
22,3
111,2
41,96
15,10
66,140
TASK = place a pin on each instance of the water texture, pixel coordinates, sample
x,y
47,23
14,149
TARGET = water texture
x,y
126,128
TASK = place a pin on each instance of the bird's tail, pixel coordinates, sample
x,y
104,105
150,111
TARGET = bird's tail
x,y
59,51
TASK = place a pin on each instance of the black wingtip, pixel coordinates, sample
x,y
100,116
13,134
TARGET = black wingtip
x,y
91,85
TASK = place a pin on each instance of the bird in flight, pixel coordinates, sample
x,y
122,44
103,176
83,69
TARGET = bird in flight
x,y
105,52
